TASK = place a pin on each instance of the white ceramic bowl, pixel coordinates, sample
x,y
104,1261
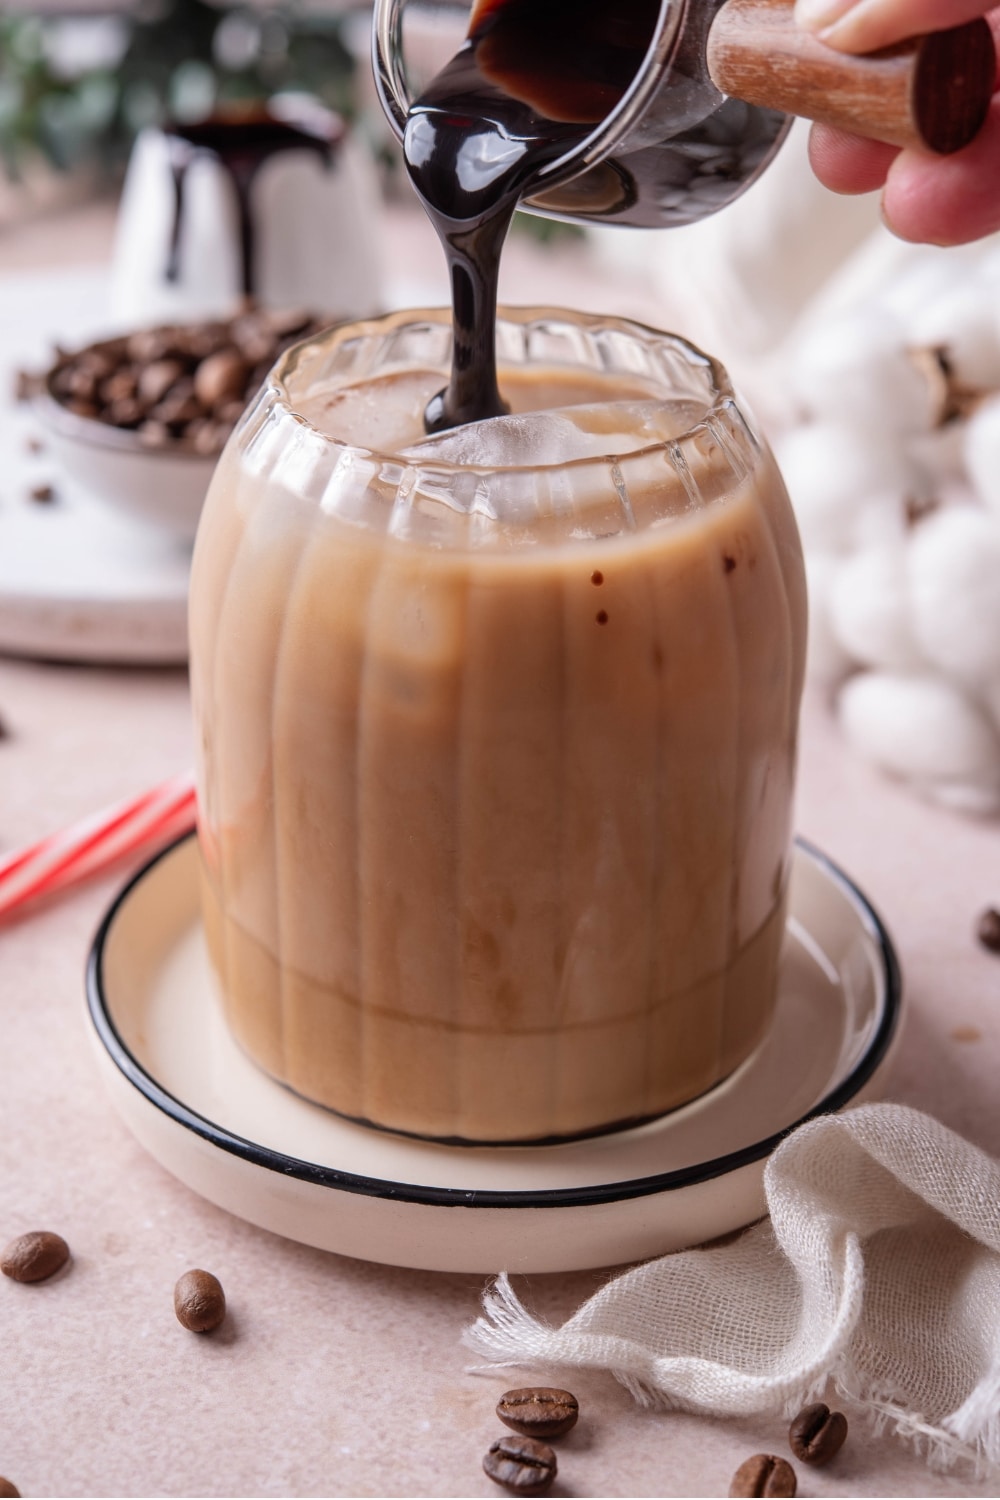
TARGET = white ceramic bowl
x,y
159,487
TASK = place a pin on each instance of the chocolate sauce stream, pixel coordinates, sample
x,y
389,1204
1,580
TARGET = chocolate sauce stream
x,y
242,145
533,79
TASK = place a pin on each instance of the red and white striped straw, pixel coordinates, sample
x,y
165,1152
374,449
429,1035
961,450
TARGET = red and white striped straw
x,y
95,842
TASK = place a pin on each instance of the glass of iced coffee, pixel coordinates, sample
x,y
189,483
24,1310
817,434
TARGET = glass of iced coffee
x,y
497,729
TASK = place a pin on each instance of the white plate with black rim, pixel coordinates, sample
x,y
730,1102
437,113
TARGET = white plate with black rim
x,y
212,1118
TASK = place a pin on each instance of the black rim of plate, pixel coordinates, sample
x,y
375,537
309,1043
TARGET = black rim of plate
x,y
406,1192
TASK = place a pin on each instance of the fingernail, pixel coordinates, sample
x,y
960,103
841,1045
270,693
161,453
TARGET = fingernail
x,y
816,15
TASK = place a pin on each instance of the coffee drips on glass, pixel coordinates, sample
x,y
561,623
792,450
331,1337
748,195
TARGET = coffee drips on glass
x,y
531,81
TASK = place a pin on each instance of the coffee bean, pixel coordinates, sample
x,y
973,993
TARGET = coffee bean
x,y
199,1301
26,385
203,339
817,1433
287,320
763,1474
220,378
121,386
79,383
156,379
521,1465
126,412
208,437
97,362
8,1491
34,1256
538,1411
988,930
230,413
154,435
178,410
42,494
149,345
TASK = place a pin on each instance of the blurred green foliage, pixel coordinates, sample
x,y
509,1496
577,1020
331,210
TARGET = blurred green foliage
x,y
176,58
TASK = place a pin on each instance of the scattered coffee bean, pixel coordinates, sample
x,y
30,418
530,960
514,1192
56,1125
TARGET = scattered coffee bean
x,y
34,1256
538,1411
817,1433
199,1301
34,445
26,385
521,1465
763,1474
988,930
42,494
8,1491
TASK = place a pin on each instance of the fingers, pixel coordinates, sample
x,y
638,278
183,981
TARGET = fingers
x,y
949,200
847,163
866,25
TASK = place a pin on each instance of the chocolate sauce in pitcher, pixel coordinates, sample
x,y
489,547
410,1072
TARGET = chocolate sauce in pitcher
x,y
241,142
532,80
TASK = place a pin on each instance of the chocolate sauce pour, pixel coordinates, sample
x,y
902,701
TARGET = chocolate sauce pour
x,y
531,81
242,144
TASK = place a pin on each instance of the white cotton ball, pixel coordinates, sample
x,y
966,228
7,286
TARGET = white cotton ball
x,y
988,265
938,457
870,609
963,324
826,659
953,562
857,369
982,452
832,472
881,520
921,276
921,727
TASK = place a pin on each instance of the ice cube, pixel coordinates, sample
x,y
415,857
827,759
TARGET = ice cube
x,y
381,414
544,438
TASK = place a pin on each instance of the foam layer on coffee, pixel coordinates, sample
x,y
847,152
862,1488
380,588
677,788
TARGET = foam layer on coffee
x,y
552,420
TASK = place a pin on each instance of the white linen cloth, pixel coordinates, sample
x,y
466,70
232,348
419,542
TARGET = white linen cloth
x,y
879,1267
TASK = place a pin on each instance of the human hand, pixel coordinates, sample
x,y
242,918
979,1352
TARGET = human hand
x,y
940,200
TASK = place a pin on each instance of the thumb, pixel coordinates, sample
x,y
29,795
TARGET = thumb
x,y
866,25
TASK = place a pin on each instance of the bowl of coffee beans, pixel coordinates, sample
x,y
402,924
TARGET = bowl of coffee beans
x,y
140,420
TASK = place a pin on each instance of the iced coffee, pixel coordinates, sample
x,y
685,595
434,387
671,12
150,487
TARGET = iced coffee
x,y
497,729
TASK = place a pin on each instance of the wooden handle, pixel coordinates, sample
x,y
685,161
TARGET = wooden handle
x,y
932,92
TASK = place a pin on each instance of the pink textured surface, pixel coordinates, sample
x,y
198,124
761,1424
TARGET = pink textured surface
x,y
333,1376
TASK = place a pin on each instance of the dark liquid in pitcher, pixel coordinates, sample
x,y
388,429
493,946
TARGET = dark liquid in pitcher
x,y
533,79
242,143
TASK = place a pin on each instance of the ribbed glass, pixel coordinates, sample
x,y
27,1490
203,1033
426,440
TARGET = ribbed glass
x,y
496,764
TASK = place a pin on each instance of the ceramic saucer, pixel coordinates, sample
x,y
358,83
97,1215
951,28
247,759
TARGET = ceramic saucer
x,y
208,1115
